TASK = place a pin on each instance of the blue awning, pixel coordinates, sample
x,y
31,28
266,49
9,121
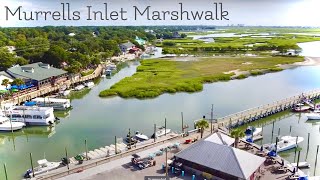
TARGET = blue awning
x,y
30,103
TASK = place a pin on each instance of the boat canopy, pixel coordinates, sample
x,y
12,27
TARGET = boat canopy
x,y
42,161
30,103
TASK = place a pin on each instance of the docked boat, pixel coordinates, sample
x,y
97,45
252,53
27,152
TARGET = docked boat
x,y
141,137
161,132
89,84
79,87
44,166
253,131
66,92
112,67
301,165
313,116
31,115
301,108
6,125
285,143
57,104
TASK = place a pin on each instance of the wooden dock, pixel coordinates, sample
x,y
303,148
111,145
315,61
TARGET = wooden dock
x,y
256,113
49,89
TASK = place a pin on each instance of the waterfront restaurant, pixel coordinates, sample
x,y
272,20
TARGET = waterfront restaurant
x,y
219,159
39,74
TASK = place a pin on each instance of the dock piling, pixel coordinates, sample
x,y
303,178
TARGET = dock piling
x,y
5,171
115,144
86,148
165,126
272,132
66,151
211,118
315,164
278,132
154,132
31,165
290,130
182,128
298,160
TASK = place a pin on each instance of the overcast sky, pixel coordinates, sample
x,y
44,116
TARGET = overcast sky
x,y
248,12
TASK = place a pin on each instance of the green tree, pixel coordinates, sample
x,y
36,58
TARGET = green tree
x,y
17,82
55,56
5,82
237,134
7,59
202,124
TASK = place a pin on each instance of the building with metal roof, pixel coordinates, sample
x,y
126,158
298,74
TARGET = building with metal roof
x,y
219,160
38,74
125,47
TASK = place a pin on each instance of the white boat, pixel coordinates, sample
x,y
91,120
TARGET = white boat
x,y
89,84
6,125
141,137
112,66
66,92
44,166
285,143
256,131
161,132
57,104
301,165
31,115
313,116
79,87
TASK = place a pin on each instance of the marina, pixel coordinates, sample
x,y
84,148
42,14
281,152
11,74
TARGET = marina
x,y
108,125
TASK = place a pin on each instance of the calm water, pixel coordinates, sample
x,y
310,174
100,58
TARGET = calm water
x,y
100,119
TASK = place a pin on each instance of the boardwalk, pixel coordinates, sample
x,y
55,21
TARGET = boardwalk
x,y
259,112
48,89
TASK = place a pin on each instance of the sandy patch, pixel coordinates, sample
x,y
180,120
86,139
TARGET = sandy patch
x,y
308,61
247,63
237,72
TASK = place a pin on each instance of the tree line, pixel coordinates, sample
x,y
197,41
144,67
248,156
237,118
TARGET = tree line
x,y
78,47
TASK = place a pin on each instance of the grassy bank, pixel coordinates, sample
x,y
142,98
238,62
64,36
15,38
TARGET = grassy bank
x,y
155,77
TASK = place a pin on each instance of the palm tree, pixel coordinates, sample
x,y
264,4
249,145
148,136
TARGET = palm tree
x,y
5,82
237,134
17,82
202,124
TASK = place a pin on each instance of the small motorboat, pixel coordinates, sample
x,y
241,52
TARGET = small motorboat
x,y
79,87
66,92
161,132
285,143
141,137
44,166
89,84
253,131
301,108
6,125
301,165
313,116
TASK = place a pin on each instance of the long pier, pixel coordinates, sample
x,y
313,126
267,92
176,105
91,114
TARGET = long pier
x,y
48,89
259,112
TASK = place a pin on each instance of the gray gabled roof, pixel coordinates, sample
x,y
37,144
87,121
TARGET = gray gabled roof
x,y
127,45
37,71
222,158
